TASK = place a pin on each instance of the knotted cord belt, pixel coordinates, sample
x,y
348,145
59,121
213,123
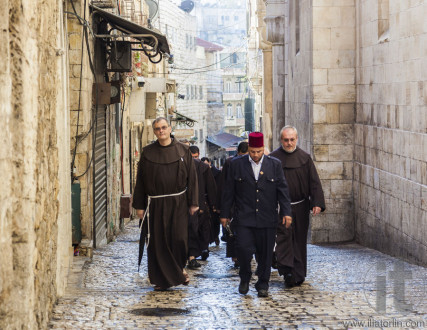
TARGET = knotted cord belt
x,y
295,203
147,213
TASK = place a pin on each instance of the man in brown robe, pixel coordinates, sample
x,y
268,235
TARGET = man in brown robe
x,y
306,194
166,185
199,224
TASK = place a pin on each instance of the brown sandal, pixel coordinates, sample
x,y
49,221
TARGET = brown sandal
x,y
159,288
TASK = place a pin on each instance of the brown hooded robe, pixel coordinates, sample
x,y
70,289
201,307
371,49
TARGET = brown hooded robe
x,y
303,184
166,170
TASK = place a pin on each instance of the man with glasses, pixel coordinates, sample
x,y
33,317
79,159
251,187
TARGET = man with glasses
x,y
166,191
306,194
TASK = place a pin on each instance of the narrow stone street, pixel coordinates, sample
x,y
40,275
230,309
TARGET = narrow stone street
x,y
348,286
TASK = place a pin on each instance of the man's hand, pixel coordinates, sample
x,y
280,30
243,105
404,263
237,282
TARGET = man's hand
x,y
140,213
224,221
193,209
316,210
287,221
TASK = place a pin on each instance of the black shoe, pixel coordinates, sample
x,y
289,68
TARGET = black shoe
x,y
193,264
298,283
205,255
289,280
274,261
263,293
217,241
236,265
243,287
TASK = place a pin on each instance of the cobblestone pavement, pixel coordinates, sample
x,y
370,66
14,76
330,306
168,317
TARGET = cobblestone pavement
x,y
348,286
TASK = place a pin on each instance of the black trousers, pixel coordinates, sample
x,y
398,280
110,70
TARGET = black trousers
x,y
215,227
198,233
259,241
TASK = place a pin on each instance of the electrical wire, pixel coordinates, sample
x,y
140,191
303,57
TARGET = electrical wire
x,y
80,86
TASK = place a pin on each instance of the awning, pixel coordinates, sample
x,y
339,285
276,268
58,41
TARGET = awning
x,y
224,140
131,28
180,118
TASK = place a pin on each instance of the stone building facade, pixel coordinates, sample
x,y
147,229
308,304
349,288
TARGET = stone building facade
x,y
188,71
35,199
47,105
350,77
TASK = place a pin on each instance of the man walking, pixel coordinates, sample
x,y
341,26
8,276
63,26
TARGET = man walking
x,y
199,223
306,194
166,190
215,225
255,184
230,234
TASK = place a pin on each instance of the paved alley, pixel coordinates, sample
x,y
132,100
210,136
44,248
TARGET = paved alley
x,y
348,286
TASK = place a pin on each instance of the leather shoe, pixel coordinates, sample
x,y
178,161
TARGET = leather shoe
x,y
205,255
243,287
262,293
193,264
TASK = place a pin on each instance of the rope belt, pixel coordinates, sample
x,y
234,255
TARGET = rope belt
x,y
295,203
147,212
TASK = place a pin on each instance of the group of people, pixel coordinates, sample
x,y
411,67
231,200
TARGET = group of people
x,y
263,201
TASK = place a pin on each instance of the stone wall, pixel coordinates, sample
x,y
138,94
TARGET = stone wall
x,y
320,96
35,199
334,96
390,174
81,111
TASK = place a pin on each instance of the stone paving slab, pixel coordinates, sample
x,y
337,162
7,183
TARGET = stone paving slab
x,y
343,286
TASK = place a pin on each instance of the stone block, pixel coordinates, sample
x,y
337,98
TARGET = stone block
x,y
347,113
324,59
319,113
332,134
341,189
321,38
348,16
343,38
320,77
330,170
334,94
326,17
343,76
340,152
332,113
75,41
320,152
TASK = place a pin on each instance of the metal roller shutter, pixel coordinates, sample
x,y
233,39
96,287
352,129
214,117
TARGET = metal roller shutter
x,y
100,181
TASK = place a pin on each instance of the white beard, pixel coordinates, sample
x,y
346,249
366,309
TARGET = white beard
x,y
289,152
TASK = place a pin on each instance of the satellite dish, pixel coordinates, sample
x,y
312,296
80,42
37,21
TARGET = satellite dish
x,y
153,8
187,6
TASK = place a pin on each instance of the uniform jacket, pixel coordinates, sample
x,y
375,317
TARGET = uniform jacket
x,y
255,202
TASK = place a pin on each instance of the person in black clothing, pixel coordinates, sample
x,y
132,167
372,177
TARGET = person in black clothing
x,y
215,224
256,186
230,234
199,224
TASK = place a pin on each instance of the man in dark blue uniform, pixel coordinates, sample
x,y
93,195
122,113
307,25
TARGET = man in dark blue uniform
x,y
256,186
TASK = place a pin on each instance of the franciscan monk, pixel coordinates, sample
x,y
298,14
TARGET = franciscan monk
x,y
166,186
306,195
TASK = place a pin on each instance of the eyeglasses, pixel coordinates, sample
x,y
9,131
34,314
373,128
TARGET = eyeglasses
x,y
287,140
163,128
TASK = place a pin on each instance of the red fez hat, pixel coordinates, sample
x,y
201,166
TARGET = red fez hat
x,y
256,140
